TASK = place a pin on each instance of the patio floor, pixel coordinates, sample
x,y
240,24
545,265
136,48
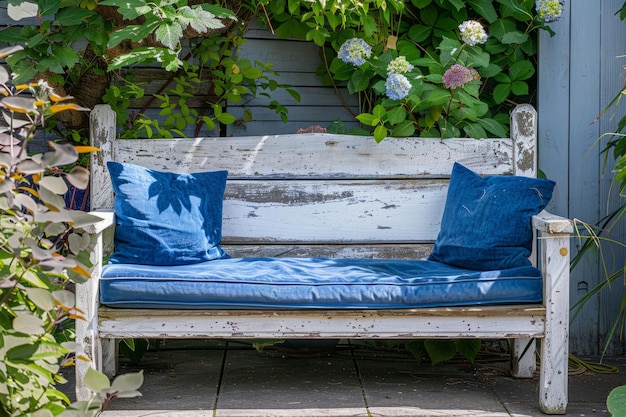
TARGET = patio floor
x,y
232,379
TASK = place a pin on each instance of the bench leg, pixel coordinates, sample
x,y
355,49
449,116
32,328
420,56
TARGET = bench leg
x,y
93,351
555,345
110,357
523,360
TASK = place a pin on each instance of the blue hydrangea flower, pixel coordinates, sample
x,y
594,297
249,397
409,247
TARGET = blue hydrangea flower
x,y
472,32
397,86
399,66
550,10
354,51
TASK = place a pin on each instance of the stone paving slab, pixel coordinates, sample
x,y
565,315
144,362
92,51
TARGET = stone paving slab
x,y
265,383
174,379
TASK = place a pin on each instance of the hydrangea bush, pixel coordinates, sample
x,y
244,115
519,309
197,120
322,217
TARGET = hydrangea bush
x,y
431,68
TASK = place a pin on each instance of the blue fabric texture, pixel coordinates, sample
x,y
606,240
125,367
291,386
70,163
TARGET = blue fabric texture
x,y
165,218
486,223
296,283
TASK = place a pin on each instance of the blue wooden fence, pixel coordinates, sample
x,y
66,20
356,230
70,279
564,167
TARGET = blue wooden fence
x,y
579,73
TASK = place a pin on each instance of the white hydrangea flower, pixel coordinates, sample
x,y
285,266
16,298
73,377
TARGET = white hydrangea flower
x,y
399,66
473,33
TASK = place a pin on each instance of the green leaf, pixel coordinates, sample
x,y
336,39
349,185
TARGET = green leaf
x,y
226,118
492,126
396,115
440,350
485,9
420,33
169,35
69,16
468,348
403,129
502,78
380,133
147,55
475,130
449,50
28,324
41,298
514,38
129,9
293,6
55,184
134,33
128,382
253,72
359,82
417,349
292,28
437,97
447,129
379,111
521,70
96,381
458,4
519,88
367,119
477,58
616,401
490,71
501,27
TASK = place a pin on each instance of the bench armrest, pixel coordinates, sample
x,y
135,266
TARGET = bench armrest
x,y
108,220
550,223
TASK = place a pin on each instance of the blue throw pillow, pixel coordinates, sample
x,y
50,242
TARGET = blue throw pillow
x,y
165,218
486,222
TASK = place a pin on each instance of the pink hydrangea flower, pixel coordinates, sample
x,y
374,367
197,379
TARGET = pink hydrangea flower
x,y
458,75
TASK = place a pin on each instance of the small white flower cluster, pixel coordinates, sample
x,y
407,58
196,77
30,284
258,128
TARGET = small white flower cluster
x,y
472,33
399,66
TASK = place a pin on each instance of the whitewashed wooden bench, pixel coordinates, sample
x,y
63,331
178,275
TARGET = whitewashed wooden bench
x,y
322,195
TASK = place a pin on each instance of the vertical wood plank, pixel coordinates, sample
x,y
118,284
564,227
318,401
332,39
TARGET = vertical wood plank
x,y
553,378
524,134
523,358
584,197
102,131
613,37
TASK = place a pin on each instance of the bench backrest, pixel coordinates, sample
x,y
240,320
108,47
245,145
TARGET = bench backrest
x,y
322,190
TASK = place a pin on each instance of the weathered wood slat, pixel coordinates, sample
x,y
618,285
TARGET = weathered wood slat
x,y
515,321
320,155
383,251
335,211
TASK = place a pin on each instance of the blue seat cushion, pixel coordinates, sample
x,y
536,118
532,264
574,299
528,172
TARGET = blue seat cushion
x,y
310,283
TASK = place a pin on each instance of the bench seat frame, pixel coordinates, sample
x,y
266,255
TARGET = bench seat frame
x,y
547,322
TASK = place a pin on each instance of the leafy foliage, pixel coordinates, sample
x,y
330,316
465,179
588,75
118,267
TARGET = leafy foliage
x,y
429,34
42,249
197,42
435,351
